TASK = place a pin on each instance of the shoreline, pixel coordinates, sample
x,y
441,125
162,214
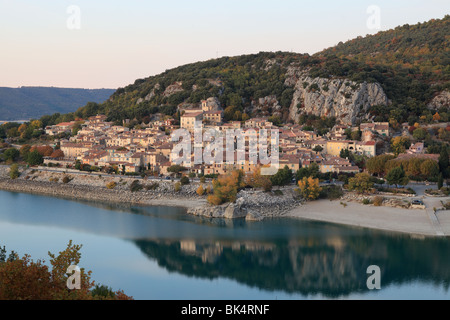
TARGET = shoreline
x,y
95,194
405,221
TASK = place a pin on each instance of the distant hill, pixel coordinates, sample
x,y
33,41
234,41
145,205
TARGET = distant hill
x,y
33,102
390,76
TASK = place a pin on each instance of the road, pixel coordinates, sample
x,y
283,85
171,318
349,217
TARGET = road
x,y
439,219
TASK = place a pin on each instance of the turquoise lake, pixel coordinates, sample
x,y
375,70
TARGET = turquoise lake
x,y
162,253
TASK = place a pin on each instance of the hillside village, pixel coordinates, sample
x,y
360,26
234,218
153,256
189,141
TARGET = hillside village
x,y
101,145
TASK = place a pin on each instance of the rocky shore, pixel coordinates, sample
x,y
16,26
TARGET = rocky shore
x,y
93,188
250,205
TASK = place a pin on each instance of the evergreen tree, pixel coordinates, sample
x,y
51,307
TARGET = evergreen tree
x,y
444,162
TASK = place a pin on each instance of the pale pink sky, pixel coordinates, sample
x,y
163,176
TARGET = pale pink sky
x,y
121,41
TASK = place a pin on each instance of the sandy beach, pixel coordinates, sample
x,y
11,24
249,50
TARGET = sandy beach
x,y
418,222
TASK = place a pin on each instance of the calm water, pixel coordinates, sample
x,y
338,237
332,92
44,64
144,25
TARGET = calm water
x,y
161,253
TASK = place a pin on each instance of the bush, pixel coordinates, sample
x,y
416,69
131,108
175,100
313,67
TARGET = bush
x,y
152,186
111,185
378,201
366,202
446,205
104,292
201,191
14,172
66,180
135,186
177,187
203,179
278,192
331,192
214,200
185,181
445,190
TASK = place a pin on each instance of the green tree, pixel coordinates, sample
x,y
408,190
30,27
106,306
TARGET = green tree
x,y
397,176
356,135
429,169
312,170
12,154
444,163
345,154
176,169
14,172
318,149
420,134
282,177
184,181
35,158
440,181
361,183
24,151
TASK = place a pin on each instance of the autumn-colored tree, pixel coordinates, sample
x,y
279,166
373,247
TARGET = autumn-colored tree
x,y
111,185
23,127
429,168
45,151
57,154
443,134
36,124
201,191
377,165
71,256
413,167
400,144
225,188
437,117
25,279
309,188
360,183
256,180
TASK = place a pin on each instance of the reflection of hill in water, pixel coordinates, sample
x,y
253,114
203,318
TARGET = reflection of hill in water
x,y
333,267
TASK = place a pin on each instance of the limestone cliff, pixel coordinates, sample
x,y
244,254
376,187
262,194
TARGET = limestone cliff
x,y
441,100
346,100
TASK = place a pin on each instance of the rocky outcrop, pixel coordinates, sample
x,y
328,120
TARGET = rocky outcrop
x,y
251,205
214,104
150,95
266,106
442,100
172,89
346,100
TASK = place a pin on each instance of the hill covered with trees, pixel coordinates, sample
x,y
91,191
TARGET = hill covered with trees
x,y
409,63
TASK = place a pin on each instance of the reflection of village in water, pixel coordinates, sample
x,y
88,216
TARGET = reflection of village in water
x,y
332,267
287,255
